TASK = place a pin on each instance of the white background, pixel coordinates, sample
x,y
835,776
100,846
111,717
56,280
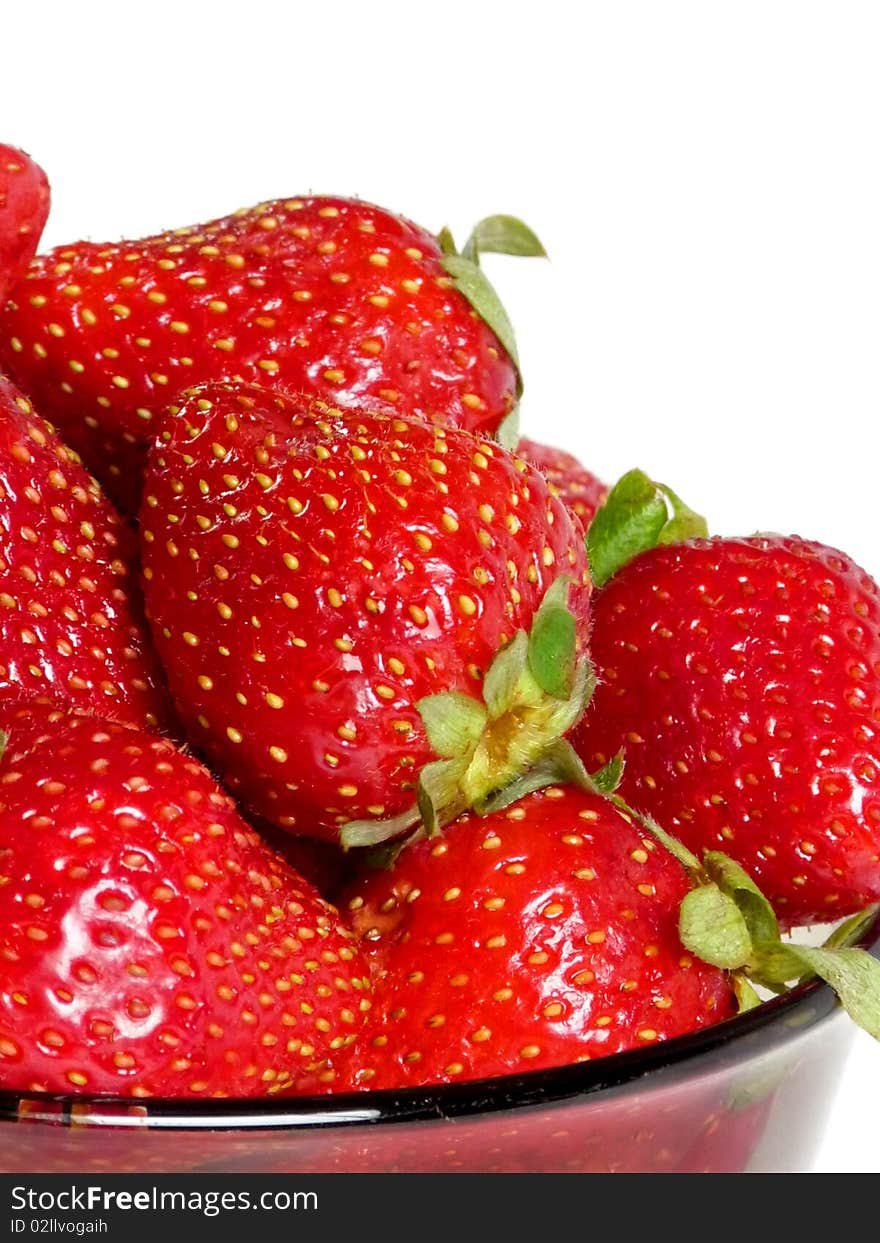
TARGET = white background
x,y
704,175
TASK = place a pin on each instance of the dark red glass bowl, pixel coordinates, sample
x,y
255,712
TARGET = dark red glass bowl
x,y
752,1093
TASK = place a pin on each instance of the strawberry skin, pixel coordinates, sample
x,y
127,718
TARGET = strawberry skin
x,y
150,945
581,490
311,576
71,623
539,936
330,295
742,677
24,208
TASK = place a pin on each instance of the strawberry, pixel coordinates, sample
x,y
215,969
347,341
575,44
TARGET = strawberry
x,y
150,945
742,678
582,491
24,207
541,935
326,294
328,593
71,622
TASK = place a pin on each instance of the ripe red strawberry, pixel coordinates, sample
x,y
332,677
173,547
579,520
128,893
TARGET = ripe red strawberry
x,y
581,490
24,207
742,677
150,945
313,577
331,295
541,935
71,623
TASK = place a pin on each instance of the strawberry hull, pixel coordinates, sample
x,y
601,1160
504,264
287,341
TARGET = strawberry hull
x,y
328,295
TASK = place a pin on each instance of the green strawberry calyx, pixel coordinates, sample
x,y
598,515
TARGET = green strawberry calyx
x,y
504,235
489,750
638,514
727,921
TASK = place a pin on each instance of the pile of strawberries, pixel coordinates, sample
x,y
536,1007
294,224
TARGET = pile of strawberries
x,y
563,764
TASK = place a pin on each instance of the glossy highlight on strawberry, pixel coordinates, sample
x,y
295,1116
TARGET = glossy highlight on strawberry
x,y
326,294
71,616
313,574
150,944
539,936
742,678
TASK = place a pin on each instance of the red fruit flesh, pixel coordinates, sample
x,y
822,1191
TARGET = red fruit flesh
x,y
24,208
150,945
312,575
581,490
329,295
71,623
539,936
742,676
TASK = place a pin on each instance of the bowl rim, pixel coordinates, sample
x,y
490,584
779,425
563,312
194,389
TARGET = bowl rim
x,y
774,1022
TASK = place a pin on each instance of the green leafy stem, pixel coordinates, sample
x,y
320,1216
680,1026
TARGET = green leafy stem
x,y
493,749
727,921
